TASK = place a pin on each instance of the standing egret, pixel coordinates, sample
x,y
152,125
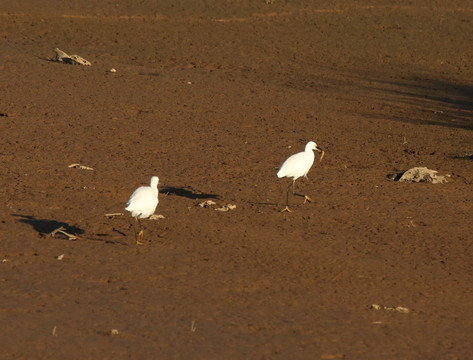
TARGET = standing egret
x,y
142,204
298,165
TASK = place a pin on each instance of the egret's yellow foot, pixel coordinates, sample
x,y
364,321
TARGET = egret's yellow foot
x,y
286,209
307,199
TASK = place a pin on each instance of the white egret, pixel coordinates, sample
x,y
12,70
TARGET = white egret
x,y
298,165
142,204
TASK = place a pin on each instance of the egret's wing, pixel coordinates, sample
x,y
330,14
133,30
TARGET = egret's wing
x,y
290,165
138,196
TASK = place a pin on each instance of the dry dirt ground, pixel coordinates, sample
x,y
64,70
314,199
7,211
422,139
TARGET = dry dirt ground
x,y
212,96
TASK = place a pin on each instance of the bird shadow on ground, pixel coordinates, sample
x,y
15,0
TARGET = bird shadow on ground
x,y
46,226
188,193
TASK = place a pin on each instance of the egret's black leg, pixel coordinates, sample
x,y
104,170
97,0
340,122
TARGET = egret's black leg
x,y
134,230
139,239
287,197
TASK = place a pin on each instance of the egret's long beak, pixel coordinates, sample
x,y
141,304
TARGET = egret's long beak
x,y
319,149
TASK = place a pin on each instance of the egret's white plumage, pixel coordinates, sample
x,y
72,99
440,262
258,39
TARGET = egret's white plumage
x,y
143,202
298,165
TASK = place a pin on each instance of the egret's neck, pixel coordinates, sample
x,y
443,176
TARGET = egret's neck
x,y
154,183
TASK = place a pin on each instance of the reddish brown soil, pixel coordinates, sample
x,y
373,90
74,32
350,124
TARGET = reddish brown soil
x,y
212,96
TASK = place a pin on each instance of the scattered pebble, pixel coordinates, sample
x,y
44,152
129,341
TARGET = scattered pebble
x,y
114,332
226,207
209,203
60,257
156,217
112,70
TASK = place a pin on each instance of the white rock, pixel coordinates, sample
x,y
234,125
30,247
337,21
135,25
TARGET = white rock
x,y
207,203
422,174
226,207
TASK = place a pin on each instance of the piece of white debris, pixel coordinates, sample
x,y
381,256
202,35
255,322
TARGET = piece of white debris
x,y
207,203
62,230
61,56
114,332
422,174
112,70
112,215
60,257
79,166
226,207
400,309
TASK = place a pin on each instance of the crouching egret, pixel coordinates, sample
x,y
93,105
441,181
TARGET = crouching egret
x,y
298,165
142,204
